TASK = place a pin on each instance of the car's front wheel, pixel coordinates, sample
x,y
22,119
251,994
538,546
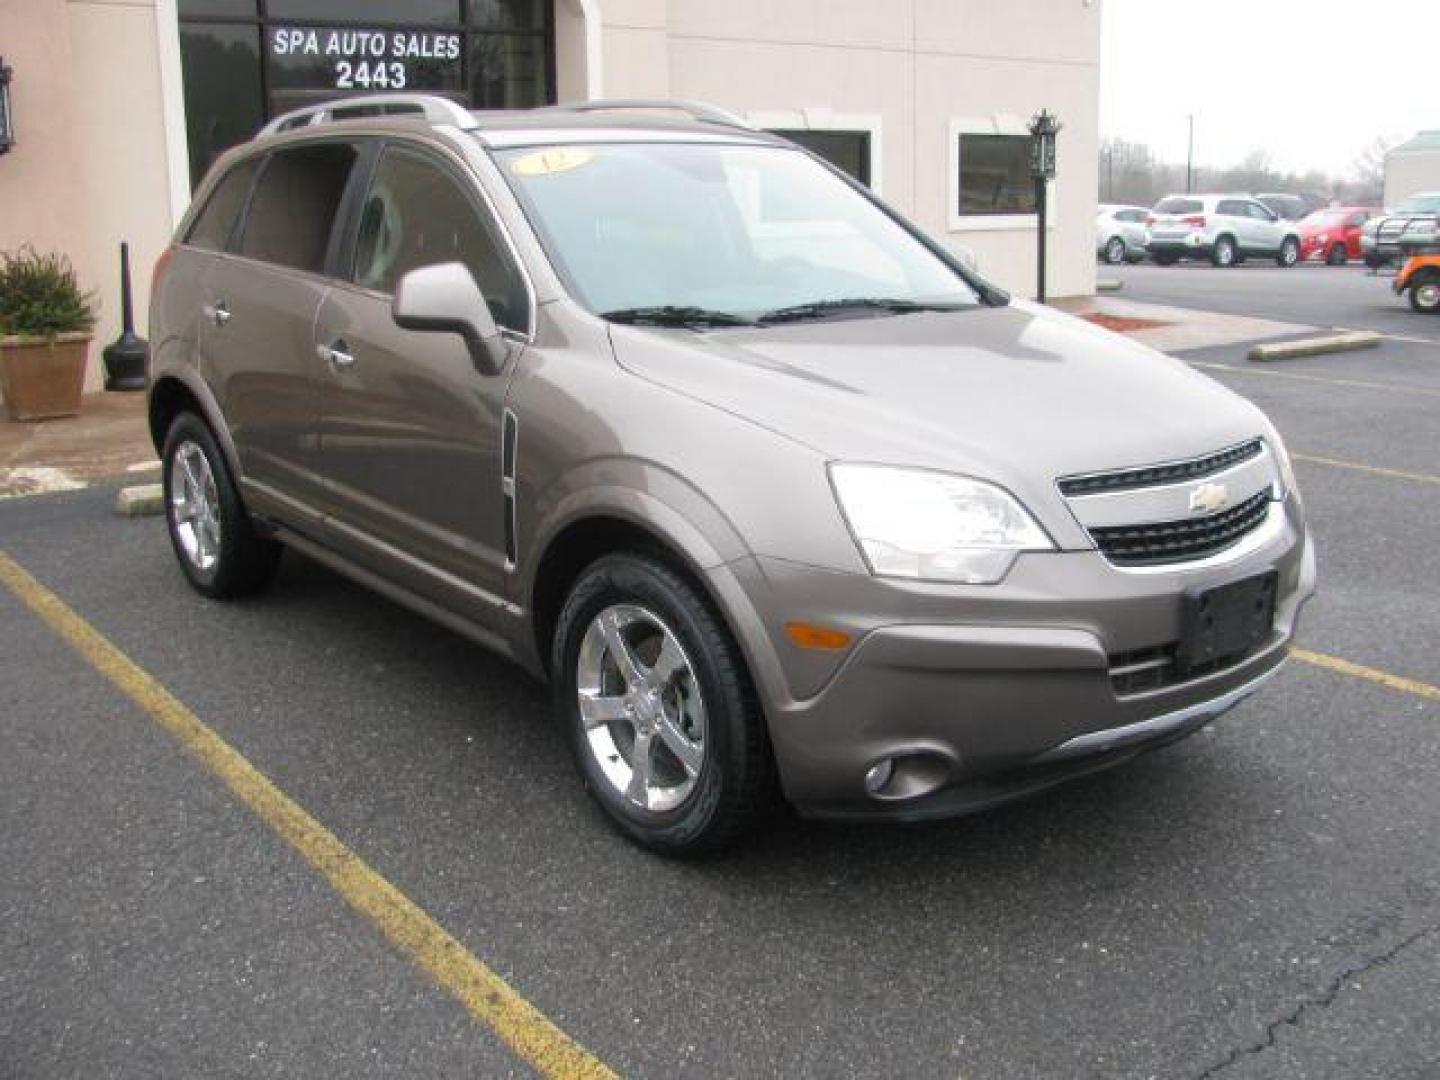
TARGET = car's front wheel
x,y
1425,294
1289,252
214,539
661,716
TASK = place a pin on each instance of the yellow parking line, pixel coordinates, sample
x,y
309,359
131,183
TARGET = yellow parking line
x,y
1375,470
1375,675
1394,388
491,1000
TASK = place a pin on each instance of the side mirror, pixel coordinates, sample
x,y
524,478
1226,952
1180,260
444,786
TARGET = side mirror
x,y
445,298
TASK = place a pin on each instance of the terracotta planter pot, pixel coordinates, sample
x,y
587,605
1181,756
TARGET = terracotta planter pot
x,y
42,379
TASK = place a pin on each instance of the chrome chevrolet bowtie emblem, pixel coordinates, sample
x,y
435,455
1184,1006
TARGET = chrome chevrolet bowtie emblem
x,y
1208,498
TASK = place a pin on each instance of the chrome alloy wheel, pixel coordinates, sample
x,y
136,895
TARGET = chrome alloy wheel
x,y
195,505
641,708
1427,296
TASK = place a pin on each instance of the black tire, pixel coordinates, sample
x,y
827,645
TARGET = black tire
x,y
1289,253
1425,293
243,561
1115,250
735,786
1337,255
1224,253
1166,259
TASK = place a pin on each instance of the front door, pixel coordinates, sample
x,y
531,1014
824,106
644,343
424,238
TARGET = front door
x,y
410,429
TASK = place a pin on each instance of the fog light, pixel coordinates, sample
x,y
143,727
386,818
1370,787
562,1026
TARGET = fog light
x,y
879,775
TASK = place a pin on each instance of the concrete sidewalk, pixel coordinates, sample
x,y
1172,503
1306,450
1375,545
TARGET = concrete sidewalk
x,y
1177,329
109,439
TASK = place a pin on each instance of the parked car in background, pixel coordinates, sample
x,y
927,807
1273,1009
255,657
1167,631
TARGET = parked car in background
x,y
1121,233
1334,234
1226,229
1411,225
1289,207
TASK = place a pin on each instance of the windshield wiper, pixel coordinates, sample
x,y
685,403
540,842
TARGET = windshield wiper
x,y
819,308
675,315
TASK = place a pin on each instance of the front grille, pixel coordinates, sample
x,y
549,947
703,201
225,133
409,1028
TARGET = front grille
x,y
1168,473
1155,668
1180,541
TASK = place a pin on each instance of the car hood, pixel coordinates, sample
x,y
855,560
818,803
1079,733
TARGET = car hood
x,y
1018,394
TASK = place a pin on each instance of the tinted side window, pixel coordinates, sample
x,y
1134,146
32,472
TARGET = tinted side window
x,y
417,213
1232,207
212,226
1261,213
294,205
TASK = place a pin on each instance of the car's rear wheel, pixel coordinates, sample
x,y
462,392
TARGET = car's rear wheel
x,y
1425,294
212,534
1115,251
1289,252
1223,253
1337,255
661,716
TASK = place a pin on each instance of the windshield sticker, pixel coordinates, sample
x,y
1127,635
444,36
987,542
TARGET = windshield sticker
x,y
548,162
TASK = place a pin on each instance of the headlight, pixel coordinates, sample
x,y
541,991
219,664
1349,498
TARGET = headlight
x,y
932,526
1282,460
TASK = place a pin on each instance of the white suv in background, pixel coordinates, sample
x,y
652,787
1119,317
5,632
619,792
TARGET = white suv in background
x,y
1225,229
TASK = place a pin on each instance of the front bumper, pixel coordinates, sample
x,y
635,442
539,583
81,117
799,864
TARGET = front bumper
x,y
985,694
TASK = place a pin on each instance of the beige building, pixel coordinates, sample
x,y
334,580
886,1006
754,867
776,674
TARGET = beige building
x,y
1412,167
119,105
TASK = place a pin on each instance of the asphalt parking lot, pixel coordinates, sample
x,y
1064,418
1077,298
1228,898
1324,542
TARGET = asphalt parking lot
x,y
1262,900
1311,293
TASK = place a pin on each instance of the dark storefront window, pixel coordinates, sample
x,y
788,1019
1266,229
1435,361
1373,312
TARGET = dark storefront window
x,y
848,151
246,61
995,174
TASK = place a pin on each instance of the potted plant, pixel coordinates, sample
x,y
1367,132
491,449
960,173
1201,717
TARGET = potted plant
x,y
45,323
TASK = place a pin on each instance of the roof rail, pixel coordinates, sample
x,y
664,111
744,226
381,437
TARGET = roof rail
x,y
700,110
433,107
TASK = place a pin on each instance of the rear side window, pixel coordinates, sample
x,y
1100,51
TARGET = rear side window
x,y
417,213
294,206
212,226
1233,208
1179,206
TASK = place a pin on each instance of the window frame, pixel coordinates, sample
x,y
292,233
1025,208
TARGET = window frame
x,y
189,224
956,222
348,222
870,124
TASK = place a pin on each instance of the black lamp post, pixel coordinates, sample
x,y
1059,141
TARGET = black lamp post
x,y
7,118
1043,129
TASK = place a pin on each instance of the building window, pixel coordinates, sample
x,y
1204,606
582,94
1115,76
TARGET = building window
x,y
245,61
994,174
848,151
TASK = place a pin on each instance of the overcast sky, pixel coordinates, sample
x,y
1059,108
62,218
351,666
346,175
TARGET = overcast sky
x,y
1312,81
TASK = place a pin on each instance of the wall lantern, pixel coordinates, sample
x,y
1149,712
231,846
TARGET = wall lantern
x,y
7,118
1043,129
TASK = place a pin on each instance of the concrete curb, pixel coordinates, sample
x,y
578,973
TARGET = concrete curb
x,y
1108,285
142,500
1316,346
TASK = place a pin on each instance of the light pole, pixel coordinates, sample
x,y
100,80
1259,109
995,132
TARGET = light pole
x,y
1043,129
1190,157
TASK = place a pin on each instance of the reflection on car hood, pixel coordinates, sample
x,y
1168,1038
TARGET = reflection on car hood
x,y
1018,393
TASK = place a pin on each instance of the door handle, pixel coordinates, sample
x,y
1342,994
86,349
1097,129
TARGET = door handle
x,y
218,312
338,354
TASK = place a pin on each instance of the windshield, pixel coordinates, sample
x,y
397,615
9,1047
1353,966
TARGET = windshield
x,y
722,234
1175,205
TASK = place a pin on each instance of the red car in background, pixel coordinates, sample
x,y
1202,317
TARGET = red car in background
x,y
1333,234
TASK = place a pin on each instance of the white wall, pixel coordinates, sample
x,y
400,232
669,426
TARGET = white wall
x,y
1409,173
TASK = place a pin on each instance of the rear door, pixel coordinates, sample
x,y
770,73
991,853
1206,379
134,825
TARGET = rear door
x,y
410,429
258,341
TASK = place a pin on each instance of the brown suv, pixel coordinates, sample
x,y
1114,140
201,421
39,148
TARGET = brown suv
x,y
778,495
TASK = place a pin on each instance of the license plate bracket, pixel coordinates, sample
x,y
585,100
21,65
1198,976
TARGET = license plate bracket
x,y
1226,620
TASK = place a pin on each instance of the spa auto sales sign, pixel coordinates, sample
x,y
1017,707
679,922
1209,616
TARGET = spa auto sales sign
x,y
366,59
